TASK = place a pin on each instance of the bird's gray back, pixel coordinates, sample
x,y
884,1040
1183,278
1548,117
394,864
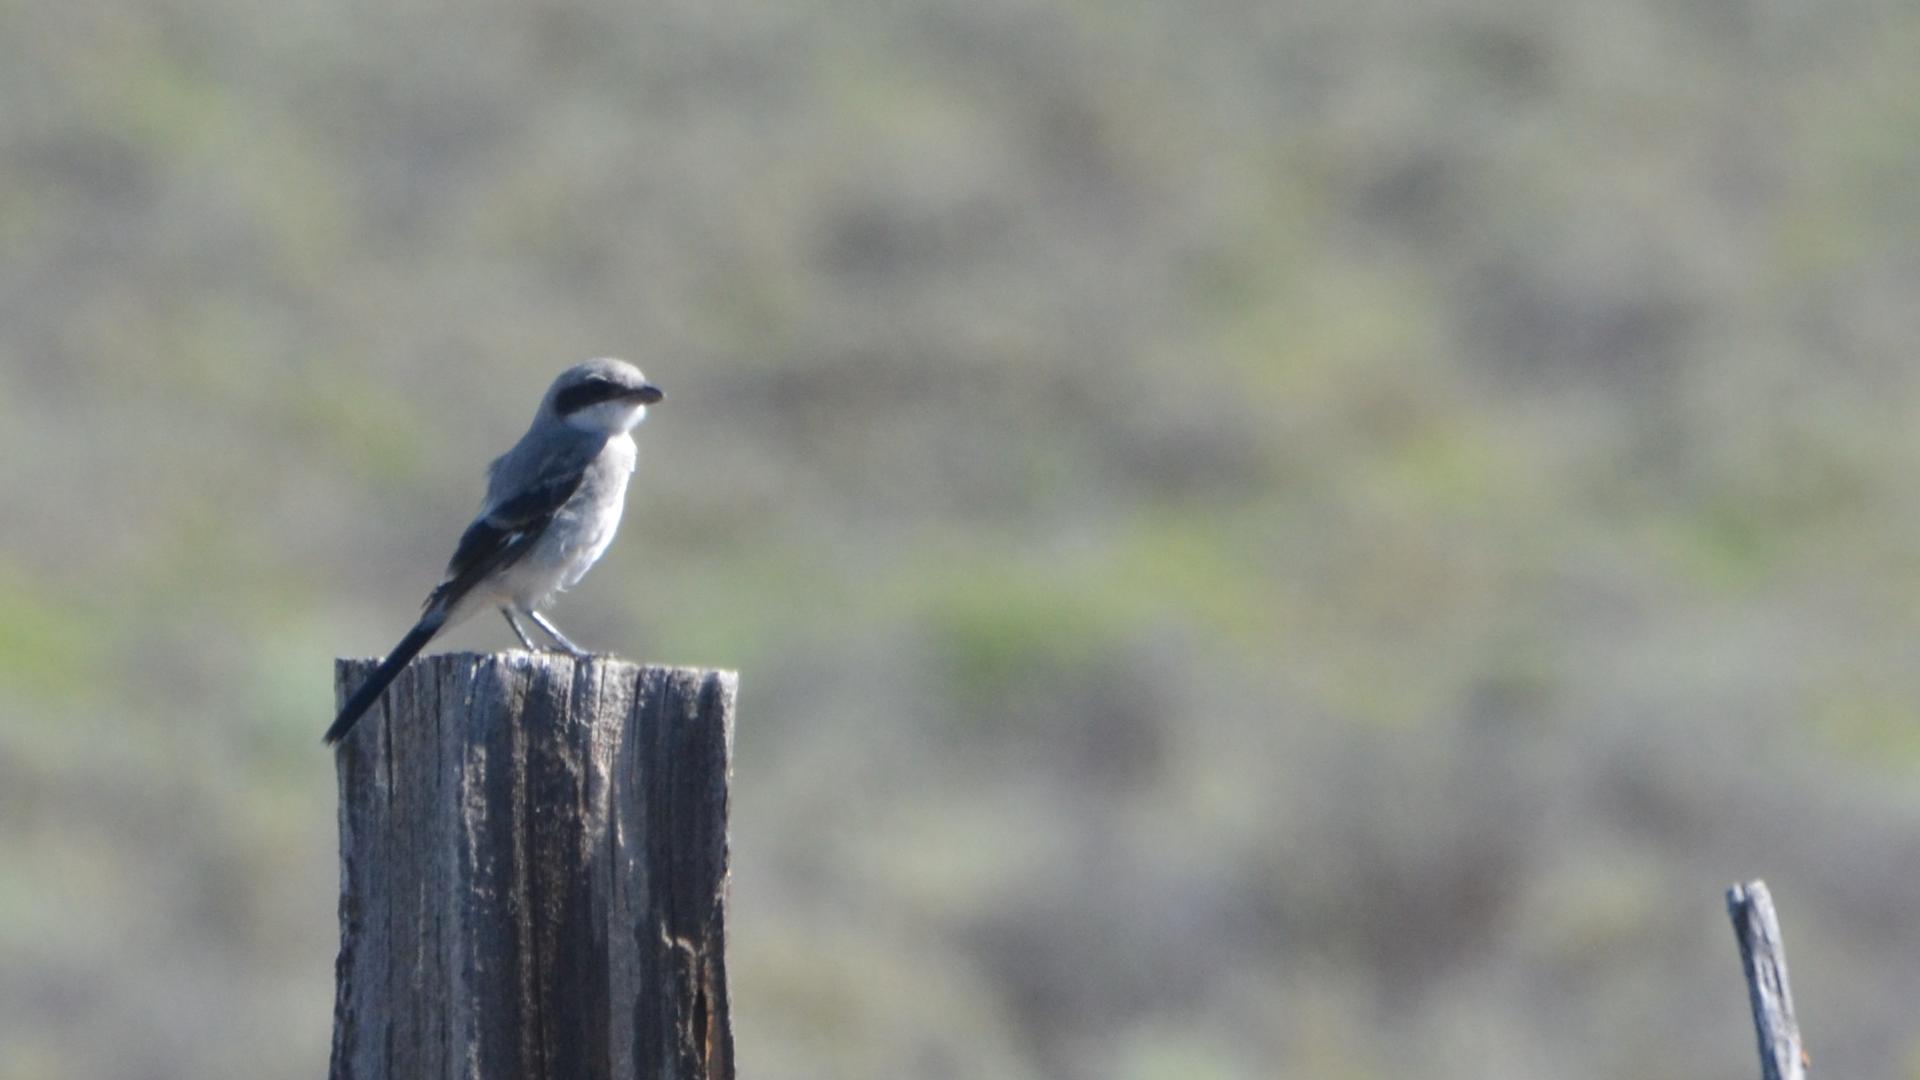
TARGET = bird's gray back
x,y
550,449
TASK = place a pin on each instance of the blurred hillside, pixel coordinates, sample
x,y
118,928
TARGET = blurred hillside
x,y
1262,540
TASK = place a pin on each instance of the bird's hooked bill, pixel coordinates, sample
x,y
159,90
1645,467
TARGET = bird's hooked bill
x,y
648,394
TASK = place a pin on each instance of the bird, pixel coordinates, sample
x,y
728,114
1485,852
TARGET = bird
x,y
552,505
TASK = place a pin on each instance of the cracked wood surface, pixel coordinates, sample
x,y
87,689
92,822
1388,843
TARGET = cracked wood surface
x,y
533,872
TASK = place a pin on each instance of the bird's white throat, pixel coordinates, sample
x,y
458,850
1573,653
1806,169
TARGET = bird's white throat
x,y
608,417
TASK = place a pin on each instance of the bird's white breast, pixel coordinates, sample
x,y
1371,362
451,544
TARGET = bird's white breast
x,y
581,530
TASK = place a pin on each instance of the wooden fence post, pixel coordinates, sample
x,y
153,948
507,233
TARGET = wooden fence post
x,y
1764,958
533,872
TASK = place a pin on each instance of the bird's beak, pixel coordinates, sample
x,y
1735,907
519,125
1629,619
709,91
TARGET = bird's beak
x,y
648,394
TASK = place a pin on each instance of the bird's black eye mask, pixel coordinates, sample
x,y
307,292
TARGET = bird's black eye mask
x,y
594,391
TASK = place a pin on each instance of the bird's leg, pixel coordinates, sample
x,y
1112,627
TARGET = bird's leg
x,y
541,620
518,630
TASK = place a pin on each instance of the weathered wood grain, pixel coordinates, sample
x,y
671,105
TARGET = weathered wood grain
x,y
1764,958
533,872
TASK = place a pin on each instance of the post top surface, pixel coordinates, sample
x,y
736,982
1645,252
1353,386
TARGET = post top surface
x,y
522,660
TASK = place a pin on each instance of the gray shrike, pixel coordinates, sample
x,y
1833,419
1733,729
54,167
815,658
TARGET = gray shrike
x,y
552,505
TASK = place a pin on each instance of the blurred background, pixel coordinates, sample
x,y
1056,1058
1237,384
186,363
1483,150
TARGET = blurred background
x,y
1262,540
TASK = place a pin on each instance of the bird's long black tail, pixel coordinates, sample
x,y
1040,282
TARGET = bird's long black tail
x,y
389,669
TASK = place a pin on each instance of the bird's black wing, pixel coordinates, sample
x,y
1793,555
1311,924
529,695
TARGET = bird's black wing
x,y
504,534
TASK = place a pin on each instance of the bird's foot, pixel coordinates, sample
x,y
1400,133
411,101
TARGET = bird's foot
x,y
559,638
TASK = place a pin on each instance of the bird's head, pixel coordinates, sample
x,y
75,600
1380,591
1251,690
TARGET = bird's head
x,y
606,396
